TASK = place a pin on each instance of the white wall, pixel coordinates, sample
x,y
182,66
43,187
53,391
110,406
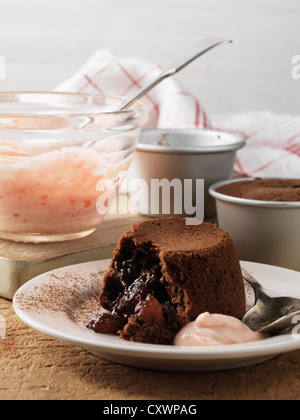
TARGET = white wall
x,y
45,41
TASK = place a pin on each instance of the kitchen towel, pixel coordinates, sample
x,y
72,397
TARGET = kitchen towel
x,y
272,141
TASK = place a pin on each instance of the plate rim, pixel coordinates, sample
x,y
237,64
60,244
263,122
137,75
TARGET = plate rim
x,y
270,346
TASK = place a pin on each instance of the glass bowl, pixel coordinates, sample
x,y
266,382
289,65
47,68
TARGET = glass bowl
x,y
62,158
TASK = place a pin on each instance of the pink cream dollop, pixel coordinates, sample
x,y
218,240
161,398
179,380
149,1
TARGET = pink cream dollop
x,y
215,330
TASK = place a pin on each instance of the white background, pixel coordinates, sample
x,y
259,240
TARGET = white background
x,y
45,41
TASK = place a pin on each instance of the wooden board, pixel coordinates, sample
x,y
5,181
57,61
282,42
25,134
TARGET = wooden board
x,y
20,262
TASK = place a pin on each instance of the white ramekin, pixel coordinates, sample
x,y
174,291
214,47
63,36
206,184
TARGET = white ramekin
x,y
263,231
184,154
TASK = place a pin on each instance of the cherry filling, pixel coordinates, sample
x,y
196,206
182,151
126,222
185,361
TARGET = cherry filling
x,y
136,288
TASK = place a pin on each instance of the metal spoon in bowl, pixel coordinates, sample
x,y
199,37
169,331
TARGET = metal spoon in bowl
x,y
270,315
198,50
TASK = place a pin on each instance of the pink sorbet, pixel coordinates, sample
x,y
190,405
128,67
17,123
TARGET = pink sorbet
x,y
215,330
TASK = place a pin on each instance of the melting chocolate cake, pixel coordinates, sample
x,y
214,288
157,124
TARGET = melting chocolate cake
x,y
163,275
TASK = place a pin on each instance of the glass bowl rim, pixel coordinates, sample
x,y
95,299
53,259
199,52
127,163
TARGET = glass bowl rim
x,y
137,105
134,117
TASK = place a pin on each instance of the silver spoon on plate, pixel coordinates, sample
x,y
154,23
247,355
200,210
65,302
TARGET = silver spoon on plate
x,y
270,315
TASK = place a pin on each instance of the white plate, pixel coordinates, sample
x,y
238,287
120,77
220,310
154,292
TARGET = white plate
x,y
60,303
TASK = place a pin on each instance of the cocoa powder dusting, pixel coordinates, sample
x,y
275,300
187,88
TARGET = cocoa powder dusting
x,y
72,293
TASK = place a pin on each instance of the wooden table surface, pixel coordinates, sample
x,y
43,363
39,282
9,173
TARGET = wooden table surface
x,y
35,366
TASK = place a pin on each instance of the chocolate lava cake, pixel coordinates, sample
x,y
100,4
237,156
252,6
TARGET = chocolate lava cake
x,y
163,275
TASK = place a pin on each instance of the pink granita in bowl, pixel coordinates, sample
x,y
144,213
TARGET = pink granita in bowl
x,y
59,154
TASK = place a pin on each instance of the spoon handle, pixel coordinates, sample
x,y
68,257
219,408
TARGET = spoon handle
x,y
198,50
260,293
254,283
